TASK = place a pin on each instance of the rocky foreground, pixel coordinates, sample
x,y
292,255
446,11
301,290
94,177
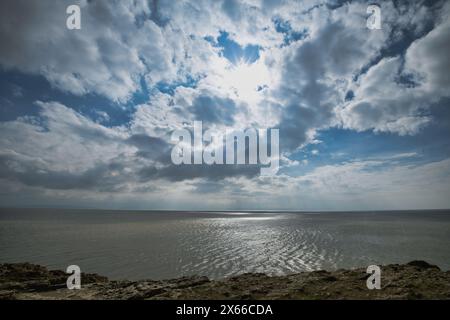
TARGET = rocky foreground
x,y
414,280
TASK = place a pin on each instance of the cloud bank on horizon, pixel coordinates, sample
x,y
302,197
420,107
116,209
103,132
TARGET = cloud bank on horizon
x,y
86,115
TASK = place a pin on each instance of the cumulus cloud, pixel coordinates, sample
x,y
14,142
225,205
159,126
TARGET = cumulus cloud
x,y
428,60
317,71
381,103
62,149
116,47
393,95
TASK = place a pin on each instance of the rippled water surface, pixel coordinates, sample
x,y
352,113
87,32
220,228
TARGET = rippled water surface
x,y
158,245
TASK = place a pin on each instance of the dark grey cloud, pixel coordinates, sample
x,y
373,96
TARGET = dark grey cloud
x,y
213,110
107,177
232,8
188,172
153,148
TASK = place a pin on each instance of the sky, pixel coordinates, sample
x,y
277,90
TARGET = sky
x,y
363,114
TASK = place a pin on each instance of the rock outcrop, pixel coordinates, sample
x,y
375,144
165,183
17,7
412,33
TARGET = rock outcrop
x,y
414,280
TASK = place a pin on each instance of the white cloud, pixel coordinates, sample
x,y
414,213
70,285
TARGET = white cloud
x,y
108,56
382,104
356,185
61,140
428,59
376,184
386,103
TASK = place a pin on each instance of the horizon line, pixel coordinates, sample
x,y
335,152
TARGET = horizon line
x,y
228,210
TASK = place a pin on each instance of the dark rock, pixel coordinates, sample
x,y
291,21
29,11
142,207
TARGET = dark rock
x,y
7,295
330,278
422,265
186,282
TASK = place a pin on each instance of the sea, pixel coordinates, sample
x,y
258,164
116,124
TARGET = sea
x,y
157,245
